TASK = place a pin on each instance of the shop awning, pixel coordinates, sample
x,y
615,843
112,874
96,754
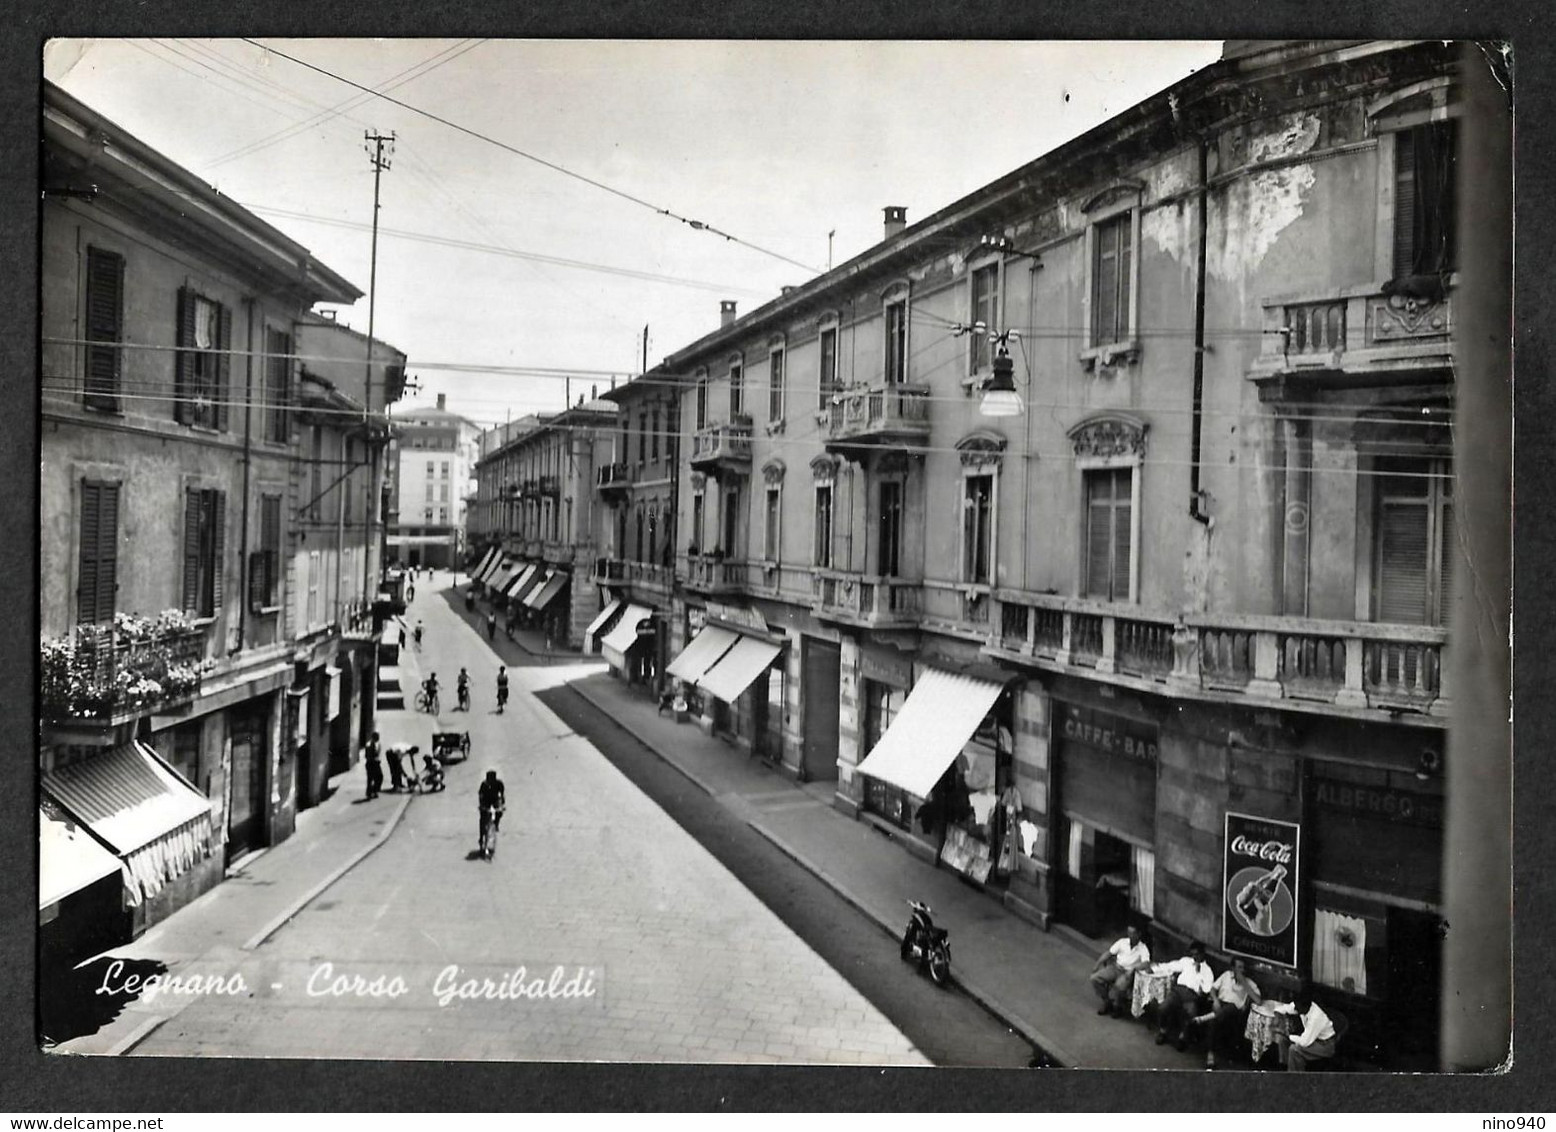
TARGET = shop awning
x,y
939,716
600,622
527,582
492,560
484,561
504,573
624,635
540,597
520,580
703,653
69,858
741,665
141,808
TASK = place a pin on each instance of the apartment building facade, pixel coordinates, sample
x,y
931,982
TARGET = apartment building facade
x,y
171,730
433,461
1095,534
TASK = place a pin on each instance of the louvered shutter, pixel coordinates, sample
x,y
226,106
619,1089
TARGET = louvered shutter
x,y
1405,212
192,550
1448,538
218,546
86,584
107,549
1099,516
183,363
104,317
1124,231
1122,530
223,370
1402,561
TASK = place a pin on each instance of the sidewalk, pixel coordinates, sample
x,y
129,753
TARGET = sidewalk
x,y
1035,981
221,930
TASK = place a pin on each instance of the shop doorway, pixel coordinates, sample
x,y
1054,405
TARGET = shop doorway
x,y
1415,963
246,809
820,680
1094,893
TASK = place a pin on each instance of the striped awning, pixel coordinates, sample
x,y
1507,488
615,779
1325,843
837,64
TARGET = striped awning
x,y
939,716
600,622
519,583
504,572
624,634
69,858
706,649
735,671
526,586
556,582
492,555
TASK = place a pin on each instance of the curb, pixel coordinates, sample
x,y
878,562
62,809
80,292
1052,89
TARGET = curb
x,y
290,912
660,755
1020,1025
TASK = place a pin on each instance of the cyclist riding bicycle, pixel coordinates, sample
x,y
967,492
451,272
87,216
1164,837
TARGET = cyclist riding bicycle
x,y
502,687
462,686
492,800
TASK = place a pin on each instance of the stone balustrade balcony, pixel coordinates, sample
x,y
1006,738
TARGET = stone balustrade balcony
x,y
878,415
723,447
852,598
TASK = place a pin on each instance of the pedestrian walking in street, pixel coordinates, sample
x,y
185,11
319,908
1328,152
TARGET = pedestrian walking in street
x,y
375,768
396,755
491,626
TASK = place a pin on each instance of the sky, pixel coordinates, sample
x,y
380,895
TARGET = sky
x,y
551,241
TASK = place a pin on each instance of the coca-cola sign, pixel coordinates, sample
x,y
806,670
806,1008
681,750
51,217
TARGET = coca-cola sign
x,y
1260,889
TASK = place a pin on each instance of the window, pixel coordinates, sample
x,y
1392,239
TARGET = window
x,y
775,385
653,432
823,534
278,391
896,342
1109,529
697,500
827,383
205,536
1413,541
442,493
730,545
702,402
642,438
984,308
1424,173
977,527
443,469
890,564
104,329
98,579
315,615
637,553
771,529
202,366
1111,279
737,391
264,562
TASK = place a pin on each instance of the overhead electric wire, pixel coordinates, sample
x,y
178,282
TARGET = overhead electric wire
x,y
697,225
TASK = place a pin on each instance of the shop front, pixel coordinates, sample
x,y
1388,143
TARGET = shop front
x,y
148,816
547,605
477,571
1104,786
80,890
943,768
603,623
628,644
730,677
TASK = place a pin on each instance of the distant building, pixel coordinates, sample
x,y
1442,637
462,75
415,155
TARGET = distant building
x,y
433,458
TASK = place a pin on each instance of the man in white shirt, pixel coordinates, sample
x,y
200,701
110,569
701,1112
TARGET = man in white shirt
x,y
1316,1040
1114,972
1190,991
1230,995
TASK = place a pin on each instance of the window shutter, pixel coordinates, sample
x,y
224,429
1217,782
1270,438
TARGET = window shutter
x,y
192,551
1448,543
256,580
99,556
1104,286
1121,534
1406,223
183,363
1124,228
223,371
1402,561
1098,534
218,546
104,317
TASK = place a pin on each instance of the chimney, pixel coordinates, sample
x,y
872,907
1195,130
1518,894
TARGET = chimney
x,y
442,400
896,219
726,311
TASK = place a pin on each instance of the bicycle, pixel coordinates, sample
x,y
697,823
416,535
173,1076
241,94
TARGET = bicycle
x,y
427,701
464,699
488,832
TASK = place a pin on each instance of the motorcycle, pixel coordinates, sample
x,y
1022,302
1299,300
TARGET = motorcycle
x,y
928,945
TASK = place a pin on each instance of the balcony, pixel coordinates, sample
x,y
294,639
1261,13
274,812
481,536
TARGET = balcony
x,y
1350,668
117,672
612,481
865,600
549,485
724,447
880,415
1357,333
609,571
714,575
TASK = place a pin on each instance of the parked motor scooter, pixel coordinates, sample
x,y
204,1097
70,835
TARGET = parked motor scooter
x,y
928,945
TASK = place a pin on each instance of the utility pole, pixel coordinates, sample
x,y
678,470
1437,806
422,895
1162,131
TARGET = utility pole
x,y
645,349
376,152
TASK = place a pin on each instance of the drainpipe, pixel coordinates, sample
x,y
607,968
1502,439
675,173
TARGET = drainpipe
x,y
248,428
672,534
1197,509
